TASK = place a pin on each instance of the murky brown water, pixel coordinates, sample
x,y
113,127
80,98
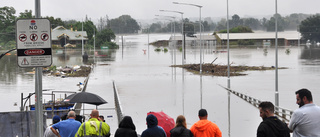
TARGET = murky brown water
x,y
147,83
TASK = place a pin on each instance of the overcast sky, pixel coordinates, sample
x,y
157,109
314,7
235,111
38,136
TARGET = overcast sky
x,y
147,9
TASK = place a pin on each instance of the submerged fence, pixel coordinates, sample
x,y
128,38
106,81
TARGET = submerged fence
x,y
282,113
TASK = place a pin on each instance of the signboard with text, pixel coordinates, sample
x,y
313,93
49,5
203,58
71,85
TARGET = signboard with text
x,y
34,43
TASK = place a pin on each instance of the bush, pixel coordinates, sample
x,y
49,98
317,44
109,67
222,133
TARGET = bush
x,y
157,49
111,45
238,29
246,42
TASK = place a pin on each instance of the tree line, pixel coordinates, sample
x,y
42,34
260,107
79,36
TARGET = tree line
x,y
105,30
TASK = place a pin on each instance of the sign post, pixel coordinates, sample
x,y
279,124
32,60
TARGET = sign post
x,y
34,50
34,43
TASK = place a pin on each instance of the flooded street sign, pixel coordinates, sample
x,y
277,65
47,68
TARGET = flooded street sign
x,y
33,43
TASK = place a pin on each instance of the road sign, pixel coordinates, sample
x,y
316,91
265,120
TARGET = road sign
x,y
34,43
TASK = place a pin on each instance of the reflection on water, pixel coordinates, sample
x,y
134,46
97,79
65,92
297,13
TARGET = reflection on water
x,y
311,56
10,72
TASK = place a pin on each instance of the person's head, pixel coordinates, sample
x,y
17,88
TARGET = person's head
x,y
101,118
55,119
152,121
203,114
303,96
94,114
266,109
181,121
127,122
71,115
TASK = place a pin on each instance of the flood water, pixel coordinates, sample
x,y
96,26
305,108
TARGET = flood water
x,y
146,82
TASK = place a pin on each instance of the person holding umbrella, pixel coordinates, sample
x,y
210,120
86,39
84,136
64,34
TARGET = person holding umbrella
x,y
180,130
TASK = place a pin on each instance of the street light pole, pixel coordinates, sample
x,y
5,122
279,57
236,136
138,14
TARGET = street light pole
x,y
94,45
183,50
276,46
174,36
229,121
199,6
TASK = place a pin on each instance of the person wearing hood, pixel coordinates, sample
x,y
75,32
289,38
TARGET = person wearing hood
x,y
271,126
204,127
180,130
126,128
153,129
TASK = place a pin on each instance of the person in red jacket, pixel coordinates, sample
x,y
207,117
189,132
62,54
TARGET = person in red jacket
x,y
204,127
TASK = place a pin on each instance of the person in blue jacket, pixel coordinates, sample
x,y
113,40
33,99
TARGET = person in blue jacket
x,y
153,129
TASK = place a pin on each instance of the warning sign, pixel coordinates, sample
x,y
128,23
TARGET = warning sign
x,y
33,51
22,37
24,62
44,36
33,37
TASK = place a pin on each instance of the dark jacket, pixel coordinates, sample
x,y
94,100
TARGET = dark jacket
x,y
180,132
153,129
273,127
126,128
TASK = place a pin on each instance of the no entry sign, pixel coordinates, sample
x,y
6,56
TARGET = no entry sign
x,y
34,43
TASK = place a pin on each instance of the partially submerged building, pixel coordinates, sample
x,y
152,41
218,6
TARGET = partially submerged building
x,y
258,38
65,37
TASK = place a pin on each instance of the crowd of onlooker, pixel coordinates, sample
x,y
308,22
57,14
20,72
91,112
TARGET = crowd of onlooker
x,y
305,122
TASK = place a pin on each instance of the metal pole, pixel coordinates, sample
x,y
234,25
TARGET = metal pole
x,y
65,50
182,39
94,45
276,42
200,42
21,108
38,86
229,120
82,38
148,29
181,29
174,41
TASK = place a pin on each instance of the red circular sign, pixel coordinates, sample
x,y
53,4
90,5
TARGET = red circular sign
x,y
44,36
22,37
33,37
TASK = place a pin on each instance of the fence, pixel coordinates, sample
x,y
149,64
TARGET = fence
x,y
282,113
117,103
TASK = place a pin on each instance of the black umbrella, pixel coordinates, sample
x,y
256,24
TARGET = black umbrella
x,y
85,97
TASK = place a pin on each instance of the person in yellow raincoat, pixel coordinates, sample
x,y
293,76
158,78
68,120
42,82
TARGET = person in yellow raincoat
x,y
93,127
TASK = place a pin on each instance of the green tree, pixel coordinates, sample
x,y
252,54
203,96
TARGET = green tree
x,y
88,26
104,38
105,35
252,23
7,24
124,24
27,14
310,28
239,29
270,25
154,27
236,21
55,22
